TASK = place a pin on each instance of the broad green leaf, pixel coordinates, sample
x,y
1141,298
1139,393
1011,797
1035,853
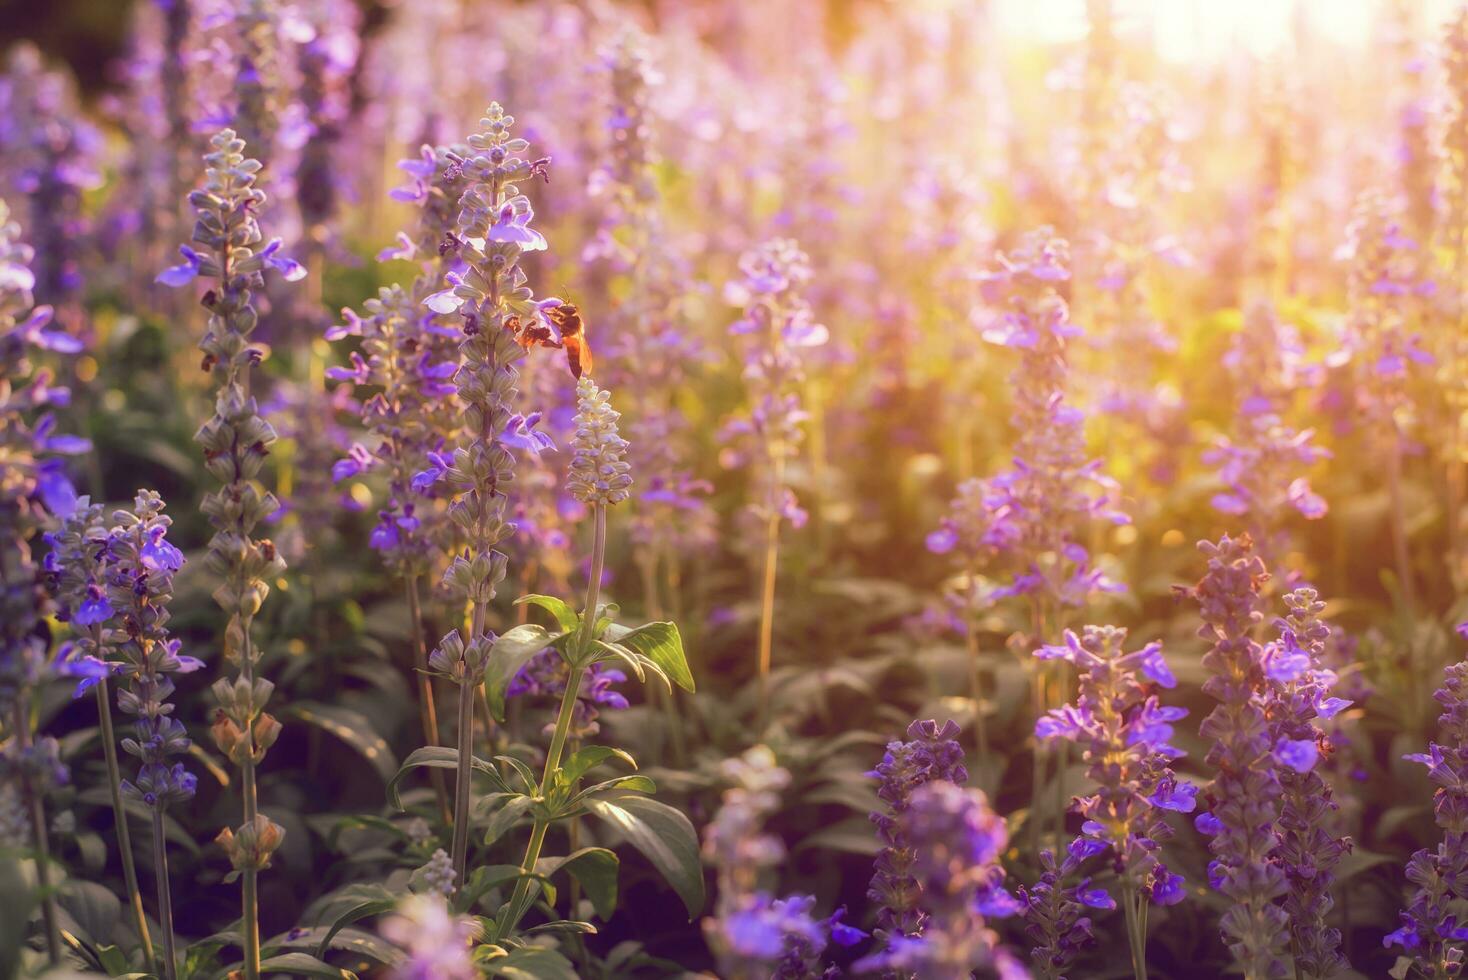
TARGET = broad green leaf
x,y
584,760
437,757
595,868
303,965
351,727
660,643
631,783
565,616
510,653
356,913
532,963
506,817
664,836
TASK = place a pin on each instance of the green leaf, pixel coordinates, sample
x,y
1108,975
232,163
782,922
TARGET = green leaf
x,y
664,836
485,877
595,868
583,760
438,757
304,965
661,644
630,783
565,616
506,817
351,727
356,913
510,653
532,963
563,927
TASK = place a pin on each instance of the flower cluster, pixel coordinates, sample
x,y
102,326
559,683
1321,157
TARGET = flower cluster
x,y
753,934
437,941
1037,510
1308,849
779,325
410,361
1245,795
36,489
50,158
957,839
1124,733
598,473
236,441
141,564
1431,935
931,753
326,60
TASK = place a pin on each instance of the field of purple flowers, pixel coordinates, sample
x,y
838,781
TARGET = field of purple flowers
x,y
758,489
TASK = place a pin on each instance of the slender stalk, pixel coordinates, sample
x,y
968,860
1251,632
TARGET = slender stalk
x,y
767,592
165,899
427,710
1136,930
461,778
249,896
520,900
119,822
976,691
38,831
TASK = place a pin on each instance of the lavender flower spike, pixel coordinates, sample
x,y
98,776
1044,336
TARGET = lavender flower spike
x,y
1124,734
1245,794
1430,935
957,839
1308,849
931,754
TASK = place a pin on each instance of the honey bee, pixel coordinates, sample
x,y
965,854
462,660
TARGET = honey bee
x,y
567,319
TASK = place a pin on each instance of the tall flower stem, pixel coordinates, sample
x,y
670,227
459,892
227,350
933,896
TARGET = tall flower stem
x,y
38,832
249,881
427,710
1136,928
520,901
976,690
464,770
165,899
119,817
767,592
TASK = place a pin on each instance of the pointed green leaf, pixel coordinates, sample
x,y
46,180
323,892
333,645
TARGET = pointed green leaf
x,y
584,760
595,868
303,965
510,653
438,757
356,913
506,817
532,963
664,836
565,616
660,643
351,727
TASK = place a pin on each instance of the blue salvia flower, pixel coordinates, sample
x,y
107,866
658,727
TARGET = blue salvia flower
x,y
1309,849
931,753
49,157
1055,908
499,321
1124,733
1039,510
958,840
325,60
140,572
1431,936
1245,795
754,935
34,493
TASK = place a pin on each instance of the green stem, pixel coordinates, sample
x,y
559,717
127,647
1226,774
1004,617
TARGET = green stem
x,y
976,691
119,821
427,709
249,896
462,773
767,595
520,900
1136,930
165,899
38,830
